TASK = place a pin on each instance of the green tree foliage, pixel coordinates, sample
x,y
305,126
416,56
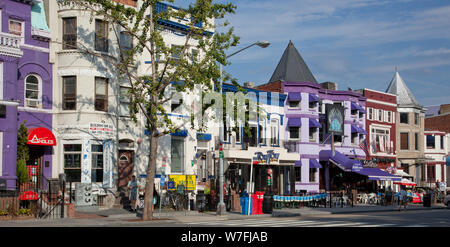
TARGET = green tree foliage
x,y
169,63
22,154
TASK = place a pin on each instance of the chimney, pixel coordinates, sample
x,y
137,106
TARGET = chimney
x,y
249,84
329,85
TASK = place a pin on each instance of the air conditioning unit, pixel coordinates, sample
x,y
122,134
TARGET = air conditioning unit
x,y
32,103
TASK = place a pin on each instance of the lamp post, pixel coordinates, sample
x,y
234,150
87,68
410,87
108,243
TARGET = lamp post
x,y
221,208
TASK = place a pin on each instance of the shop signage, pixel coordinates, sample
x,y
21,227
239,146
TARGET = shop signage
x,y
41,136
335,119
266,159
101,129
188,181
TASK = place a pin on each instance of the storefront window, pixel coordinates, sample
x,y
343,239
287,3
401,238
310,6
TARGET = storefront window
x,y
177,155
72,162
97,164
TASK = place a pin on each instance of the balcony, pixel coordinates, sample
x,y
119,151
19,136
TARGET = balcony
x,y
10,45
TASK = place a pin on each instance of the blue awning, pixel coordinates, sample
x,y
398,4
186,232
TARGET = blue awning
x,y
341,161
294,97
313,163
182,133
204,137
448,161
377,174
294,122
298,163
314,98
357,129
354,106
313,123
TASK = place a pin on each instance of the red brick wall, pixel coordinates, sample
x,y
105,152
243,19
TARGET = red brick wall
x,y
127,2
271,87
441,123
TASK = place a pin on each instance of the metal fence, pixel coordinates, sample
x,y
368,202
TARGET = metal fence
x,y
26,201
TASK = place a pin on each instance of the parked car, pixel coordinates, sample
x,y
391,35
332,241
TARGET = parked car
x,y
447,201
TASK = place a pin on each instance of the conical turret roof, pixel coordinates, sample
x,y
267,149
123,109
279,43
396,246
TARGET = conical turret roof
x,y
292,67
404,95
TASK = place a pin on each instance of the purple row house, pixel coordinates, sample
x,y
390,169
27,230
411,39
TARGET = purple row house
x,y
317,169
25,90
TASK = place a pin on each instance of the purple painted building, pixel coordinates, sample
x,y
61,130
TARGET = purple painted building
x,y
25,89
317,169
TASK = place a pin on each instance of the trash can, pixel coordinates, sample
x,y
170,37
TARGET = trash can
x,y
245,204
267,205
427,200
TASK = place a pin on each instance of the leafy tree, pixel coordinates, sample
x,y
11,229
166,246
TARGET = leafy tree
x,y
150,93
22,154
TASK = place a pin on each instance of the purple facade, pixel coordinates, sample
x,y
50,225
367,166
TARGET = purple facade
x,y
313,139
24,57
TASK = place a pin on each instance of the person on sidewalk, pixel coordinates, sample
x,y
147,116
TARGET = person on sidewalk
x,y
133,187
403,197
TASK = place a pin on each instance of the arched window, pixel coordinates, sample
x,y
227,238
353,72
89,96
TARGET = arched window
x,y
32,91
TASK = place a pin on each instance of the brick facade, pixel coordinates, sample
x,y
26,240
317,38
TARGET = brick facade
x,y
132,3
440,123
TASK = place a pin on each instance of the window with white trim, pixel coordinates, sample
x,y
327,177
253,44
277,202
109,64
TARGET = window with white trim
x,y
294,133
125,102
33,91
97,163
380,115
274,131
16,27
370,113
381,141
72,162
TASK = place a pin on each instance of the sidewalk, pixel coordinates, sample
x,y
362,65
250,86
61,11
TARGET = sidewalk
x,y
192,216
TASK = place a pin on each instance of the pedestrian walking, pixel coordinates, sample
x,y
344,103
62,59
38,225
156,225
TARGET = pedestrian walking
x,y
403,198
133,187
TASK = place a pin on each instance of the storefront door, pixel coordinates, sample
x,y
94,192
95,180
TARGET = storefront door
x,y
34,168
126,168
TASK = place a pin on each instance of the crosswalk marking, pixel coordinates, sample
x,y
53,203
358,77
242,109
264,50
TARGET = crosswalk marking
x,y
290,223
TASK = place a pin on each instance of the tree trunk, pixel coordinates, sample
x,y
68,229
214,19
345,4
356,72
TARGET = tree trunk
x,y
149,186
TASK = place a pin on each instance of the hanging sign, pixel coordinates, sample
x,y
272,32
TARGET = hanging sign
x,y
335,119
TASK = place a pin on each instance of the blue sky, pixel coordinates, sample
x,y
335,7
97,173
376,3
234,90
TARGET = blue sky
x,y
355,43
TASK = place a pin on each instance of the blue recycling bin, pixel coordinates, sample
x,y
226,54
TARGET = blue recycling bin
x,y
245,205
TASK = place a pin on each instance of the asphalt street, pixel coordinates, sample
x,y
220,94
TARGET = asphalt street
x,y
428,218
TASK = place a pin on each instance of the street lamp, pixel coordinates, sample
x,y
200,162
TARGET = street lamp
x,y
221,209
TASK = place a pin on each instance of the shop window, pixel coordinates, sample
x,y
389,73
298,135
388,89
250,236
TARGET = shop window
x,y
312,134
431,142
312,174
294,133
404,141
298,174
404,117
72,162
97,163
69,33
101,35
32,91
69,93
177,155
101,94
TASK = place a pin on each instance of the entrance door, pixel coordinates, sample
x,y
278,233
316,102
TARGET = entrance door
x,y
34,168
126,168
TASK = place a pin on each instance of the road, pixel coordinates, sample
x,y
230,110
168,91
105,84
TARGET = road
x,y
417,218
433,218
